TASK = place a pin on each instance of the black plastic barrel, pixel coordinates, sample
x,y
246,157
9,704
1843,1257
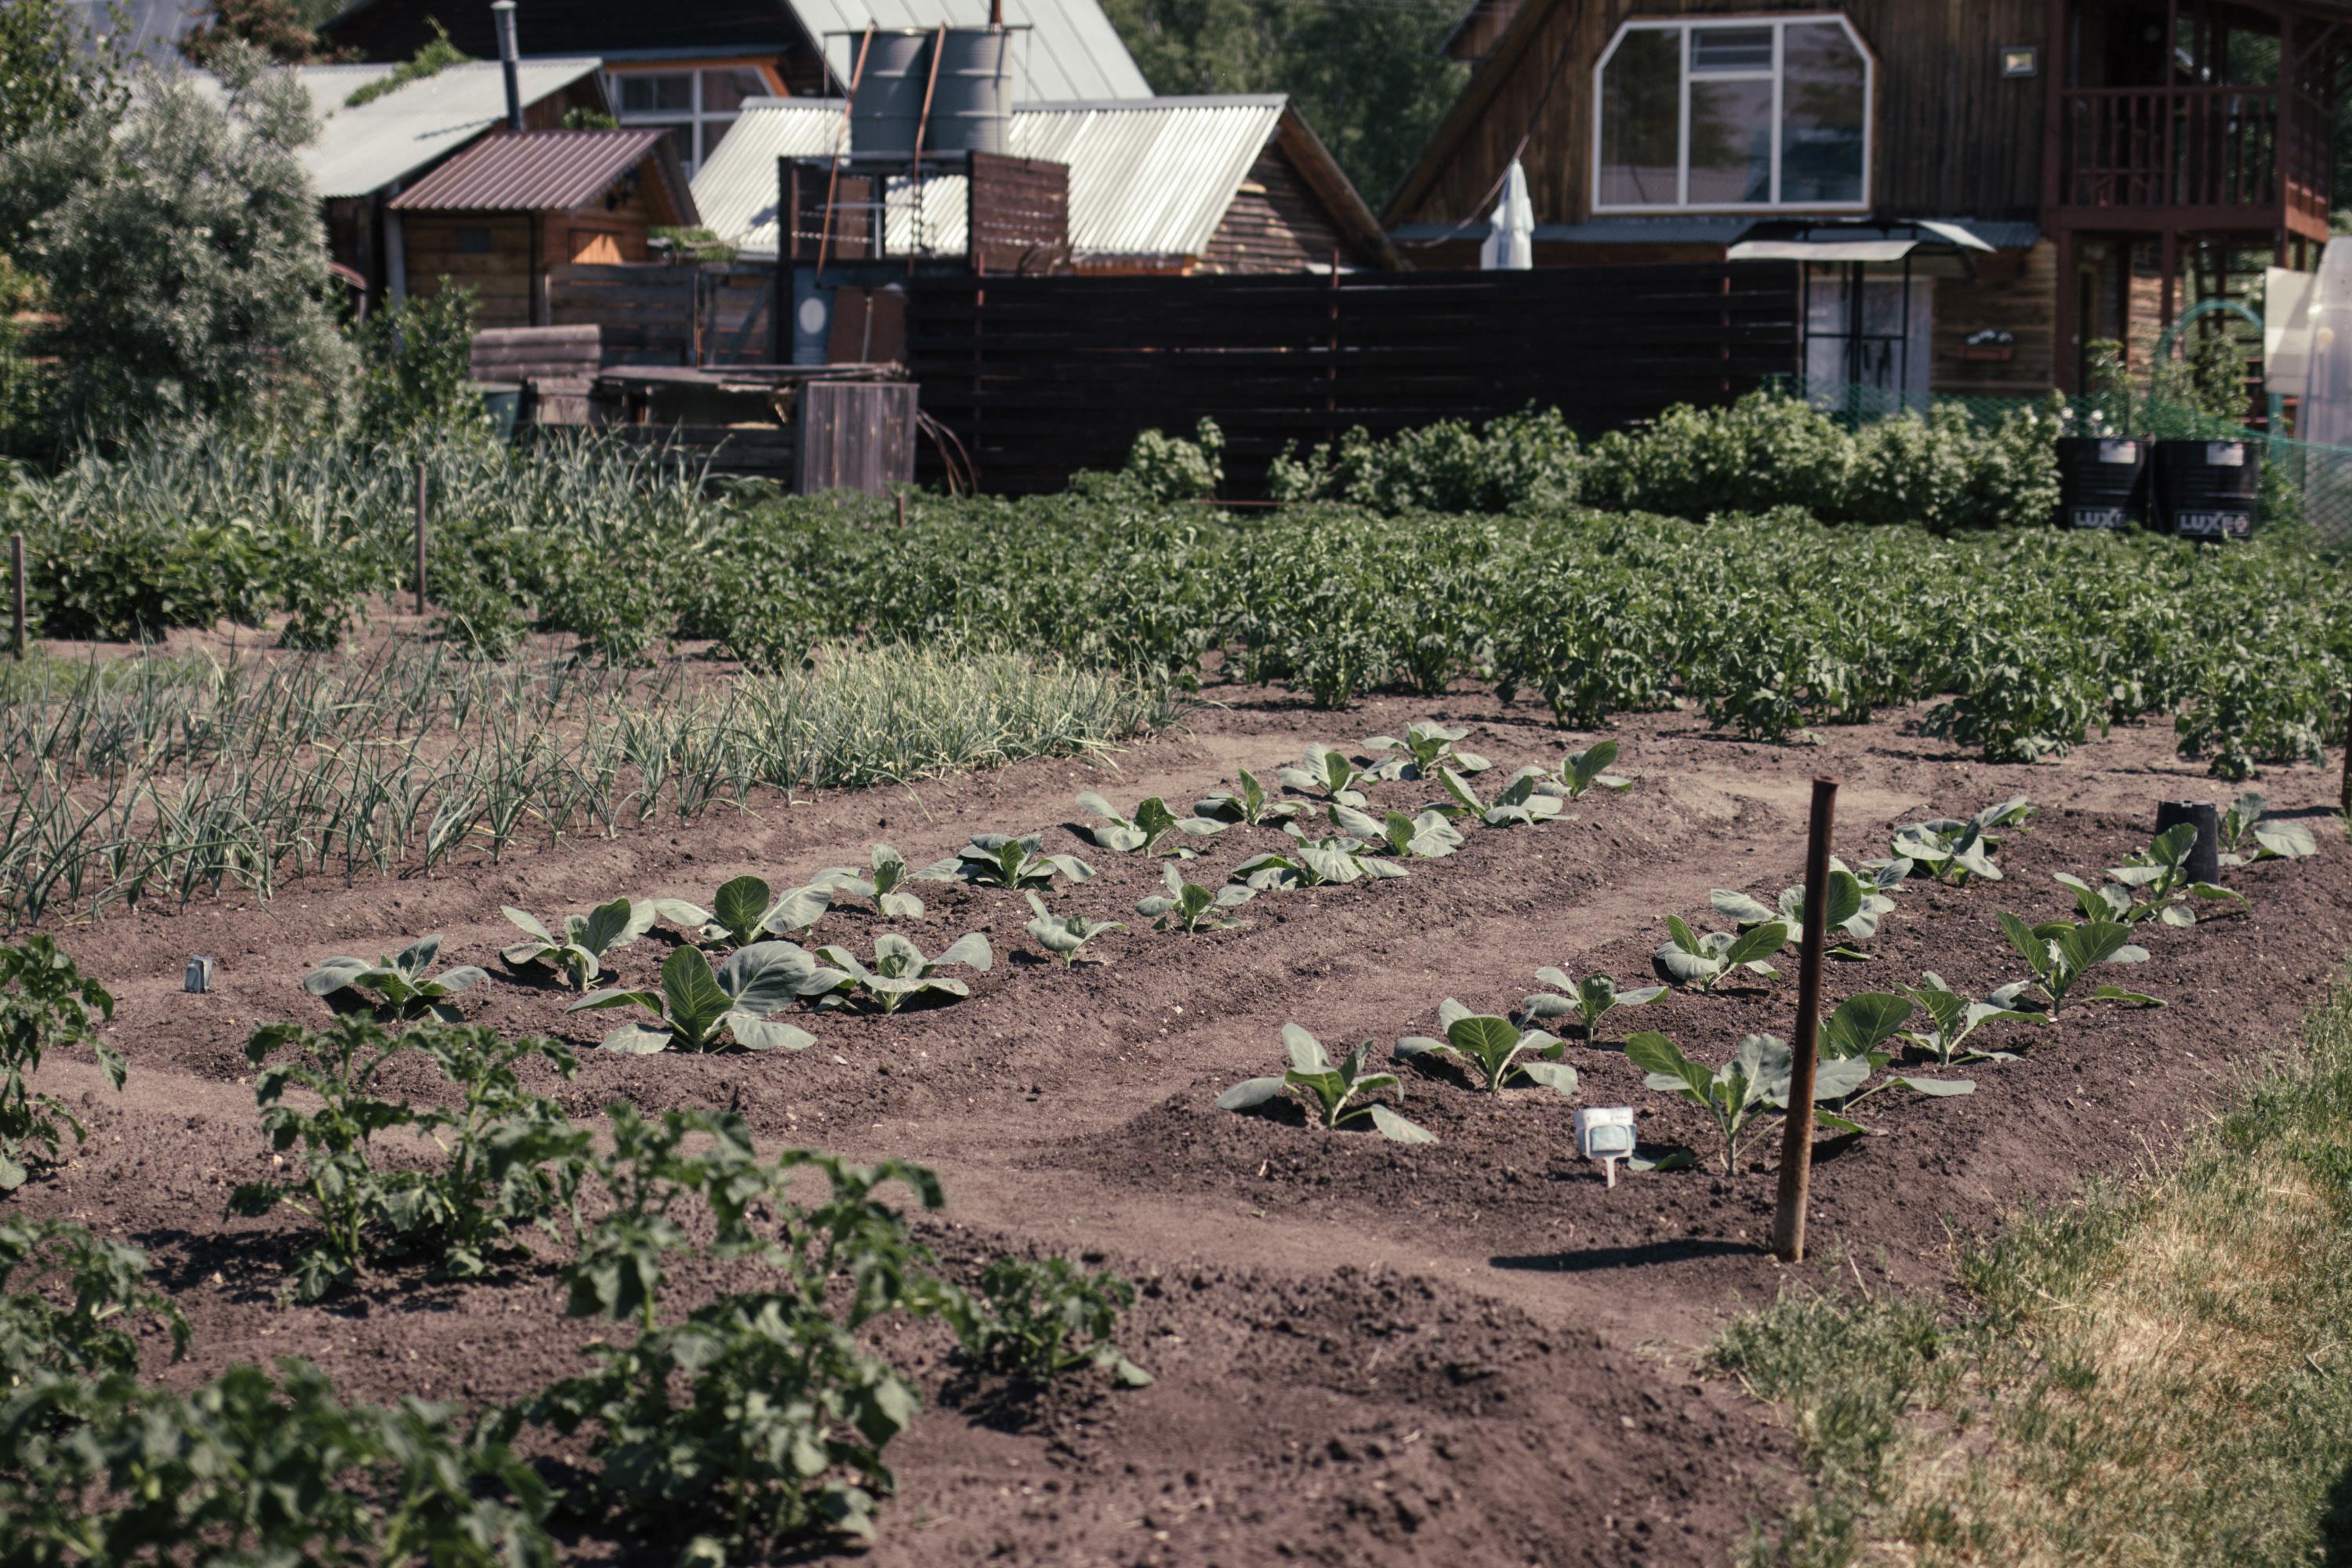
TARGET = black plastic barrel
x,y
2207,489
2102,481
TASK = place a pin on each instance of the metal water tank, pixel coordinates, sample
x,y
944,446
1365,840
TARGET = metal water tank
x,y
889,102
973,105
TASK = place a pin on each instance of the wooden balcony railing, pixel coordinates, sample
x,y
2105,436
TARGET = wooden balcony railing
x,y
2207,147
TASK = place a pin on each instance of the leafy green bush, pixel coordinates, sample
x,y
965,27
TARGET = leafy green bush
x,y
45,1004
1039,1319
416,368
1527,459
40,1259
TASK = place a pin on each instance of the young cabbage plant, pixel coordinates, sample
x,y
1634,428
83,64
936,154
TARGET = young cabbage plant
x,y
2248,835
742,911
1734,1094
886,887
1153,830
1064,935
1499,1050
1421,751
2152,883
1853,913
1248,804
580,952
900,973
1337,1095
1429,837
1191,909
1852,1047
1956,851
1521,803
1689,959
1008,860
1328,773
1315,863
1587,1000
2062,952
1580,771
399,984
699,1011
1954,1018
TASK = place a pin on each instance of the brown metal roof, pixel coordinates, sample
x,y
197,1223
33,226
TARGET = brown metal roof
x,y
545,171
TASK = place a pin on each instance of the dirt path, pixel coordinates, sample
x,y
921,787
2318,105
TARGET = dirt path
x,y
1365,1352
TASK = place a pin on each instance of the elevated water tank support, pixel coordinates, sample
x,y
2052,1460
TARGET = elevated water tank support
x,y
961,75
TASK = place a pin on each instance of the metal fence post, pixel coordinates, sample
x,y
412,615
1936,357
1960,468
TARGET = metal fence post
x,y
420,538
1796,1135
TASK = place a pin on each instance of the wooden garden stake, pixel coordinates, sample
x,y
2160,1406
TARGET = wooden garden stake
x,y
1797,1136
2344,800
420,539
17,590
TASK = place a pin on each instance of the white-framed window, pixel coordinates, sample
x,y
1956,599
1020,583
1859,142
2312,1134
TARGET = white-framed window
x,y
698,105
1750,113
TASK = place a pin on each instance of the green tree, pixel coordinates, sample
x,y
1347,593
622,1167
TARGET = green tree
x,y
1366,73
180,246
280,28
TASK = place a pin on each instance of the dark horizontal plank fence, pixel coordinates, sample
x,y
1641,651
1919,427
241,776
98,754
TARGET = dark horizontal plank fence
x,y
1041,376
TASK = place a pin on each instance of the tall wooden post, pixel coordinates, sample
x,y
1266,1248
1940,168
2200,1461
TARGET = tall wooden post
x,y
1797,1136
17,592
420,539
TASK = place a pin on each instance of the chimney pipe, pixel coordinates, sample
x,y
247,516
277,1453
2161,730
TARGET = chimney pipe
x,y
996,13
504,10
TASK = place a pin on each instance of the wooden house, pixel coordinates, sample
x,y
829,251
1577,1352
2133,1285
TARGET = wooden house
x,y
500,216
1978,189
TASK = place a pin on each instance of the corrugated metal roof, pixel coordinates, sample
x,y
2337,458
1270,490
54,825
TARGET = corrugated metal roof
x,y
1148,178
1069,50
363,149
536,170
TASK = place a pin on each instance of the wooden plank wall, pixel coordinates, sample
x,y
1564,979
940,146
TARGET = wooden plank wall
x,y
1018,215
500,276
2014,292
856,435
739,322
1275,223
1039,377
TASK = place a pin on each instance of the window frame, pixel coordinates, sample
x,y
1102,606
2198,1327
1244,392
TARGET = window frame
x,y
695,117
1777,73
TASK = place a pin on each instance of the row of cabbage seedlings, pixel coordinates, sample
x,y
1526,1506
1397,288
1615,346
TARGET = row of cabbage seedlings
x,y
1864,1036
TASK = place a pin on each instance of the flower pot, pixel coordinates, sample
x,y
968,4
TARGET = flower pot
x,y
2102,481
2207,489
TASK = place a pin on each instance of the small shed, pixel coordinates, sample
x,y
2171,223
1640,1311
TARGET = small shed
x,y
502,215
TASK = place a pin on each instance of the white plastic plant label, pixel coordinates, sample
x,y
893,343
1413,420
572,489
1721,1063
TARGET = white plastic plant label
x,y
1605,1133
2120,451
2225,454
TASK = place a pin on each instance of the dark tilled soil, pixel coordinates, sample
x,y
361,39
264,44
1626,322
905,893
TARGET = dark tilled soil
x,y
1473,1352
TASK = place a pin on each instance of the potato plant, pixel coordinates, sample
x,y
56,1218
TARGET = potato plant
x,y
1327,772
885,887
744,910
1064,936
900,974
2152,884
697,1010
1007,860
1191,909
1953,1018
1153,830
2062,952
2248,835
1040,1321
399,985
1521,801
46,1004
1587,1000
1497,1050
1248,804
1706,962
1421,751
580,952
1581,770
1336,1094
69,1300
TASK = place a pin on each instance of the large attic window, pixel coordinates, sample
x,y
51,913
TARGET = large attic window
x,y
1753,114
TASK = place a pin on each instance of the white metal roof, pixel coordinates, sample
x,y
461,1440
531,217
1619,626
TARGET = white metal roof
x,y
1069,50
1149,177
361,149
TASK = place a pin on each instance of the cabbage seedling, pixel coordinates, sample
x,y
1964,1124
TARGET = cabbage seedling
x,y
1007,860
1500,1049
1851,1050
1580,771
2245,827
580,952
1191,909
2152,882
2062,953
900,973
1315,863
1153,830
399,984
1589,1000
1327,774
886,887
1336,1094
1428,837
1521,803
1421,751
698,1011
1955,1018
1954,851
1854,908
1705,961
1248,804
1734,1094
742,911
1064,935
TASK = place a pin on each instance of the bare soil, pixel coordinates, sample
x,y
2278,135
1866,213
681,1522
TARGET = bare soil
x,y
1365,1353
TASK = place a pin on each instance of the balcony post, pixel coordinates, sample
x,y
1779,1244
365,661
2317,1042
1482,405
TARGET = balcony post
x,y
2053,120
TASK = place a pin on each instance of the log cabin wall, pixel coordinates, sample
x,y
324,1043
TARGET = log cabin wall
x,y
487,252
2013,292
1951,136
1275,223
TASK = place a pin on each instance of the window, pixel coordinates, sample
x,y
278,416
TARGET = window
x,y
472,241
1714,115
695,106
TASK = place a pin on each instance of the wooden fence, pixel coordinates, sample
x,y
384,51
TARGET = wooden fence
x,y
710,314
1040,376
